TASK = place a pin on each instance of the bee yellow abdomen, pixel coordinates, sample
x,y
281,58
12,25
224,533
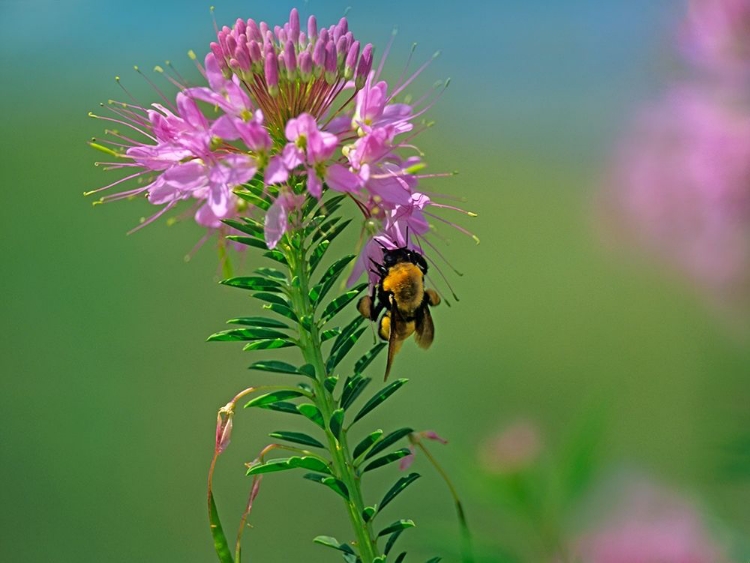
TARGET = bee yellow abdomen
x,y
405,282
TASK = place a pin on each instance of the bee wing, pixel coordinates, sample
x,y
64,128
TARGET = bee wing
x,y
425,329
394,344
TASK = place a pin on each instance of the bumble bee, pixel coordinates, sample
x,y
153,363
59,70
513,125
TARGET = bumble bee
x,y
402,294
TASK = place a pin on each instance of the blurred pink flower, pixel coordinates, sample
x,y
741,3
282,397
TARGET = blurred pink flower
x,y
681,188
650,526
513,449
716,35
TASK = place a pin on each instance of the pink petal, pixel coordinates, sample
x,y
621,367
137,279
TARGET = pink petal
x,y
341,179
276,172
314,185
276,223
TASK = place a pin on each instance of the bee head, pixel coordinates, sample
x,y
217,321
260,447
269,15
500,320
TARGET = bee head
x,y
394,256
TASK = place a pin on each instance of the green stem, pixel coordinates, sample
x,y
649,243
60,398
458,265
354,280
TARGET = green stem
x,y
466,544
310,344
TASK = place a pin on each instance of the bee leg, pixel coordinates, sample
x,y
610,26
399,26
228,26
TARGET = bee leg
x,y
384,329
364,306
432,297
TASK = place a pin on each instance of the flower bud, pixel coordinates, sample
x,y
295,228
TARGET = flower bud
x,y
331,64
252,31
319,55
220,59
294,26
290,60
253,49
271,68
312,28
341,50
305,66
364,67
351,60
240,26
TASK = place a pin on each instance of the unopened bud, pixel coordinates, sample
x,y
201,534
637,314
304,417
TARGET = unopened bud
x,y
351,60
271,68
364,67
312,28
305,66
290,60
294,25
331,64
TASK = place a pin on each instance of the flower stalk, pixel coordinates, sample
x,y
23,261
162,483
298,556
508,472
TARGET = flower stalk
x,y
310,345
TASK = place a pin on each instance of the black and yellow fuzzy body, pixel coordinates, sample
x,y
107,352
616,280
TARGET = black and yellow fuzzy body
x,y
403,298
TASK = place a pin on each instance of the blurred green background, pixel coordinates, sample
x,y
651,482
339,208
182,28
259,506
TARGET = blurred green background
x,y
109,393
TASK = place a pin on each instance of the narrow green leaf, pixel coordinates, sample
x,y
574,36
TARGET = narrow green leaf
x,y
330,232
295,462
389,440
386,459
320,223
248,241
435,560
395,527
328,334
254,199
312,412
330,205
272,273
368,512
340,302
331,482
317,255
275,367
282,310
308,370
367,443
257,225
351,558
392,540
364,361
269,344
330,383
381,396
247,228
282,406
244,334
347,331
272,298
297,438
398,488
273,397
276,256
400,558
254,283
221,545
353,389
262,322
319,291
337,421
399,525
328,541
336,357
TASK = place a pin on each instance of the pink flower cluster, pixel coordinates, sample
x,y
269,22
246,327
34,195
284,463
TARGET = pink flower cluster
x,y
299,111
680,185
650,526
683,186
715,35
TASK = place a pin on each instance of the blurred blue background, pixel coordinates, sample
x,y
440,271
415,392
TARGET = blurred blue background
x,y
109,393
